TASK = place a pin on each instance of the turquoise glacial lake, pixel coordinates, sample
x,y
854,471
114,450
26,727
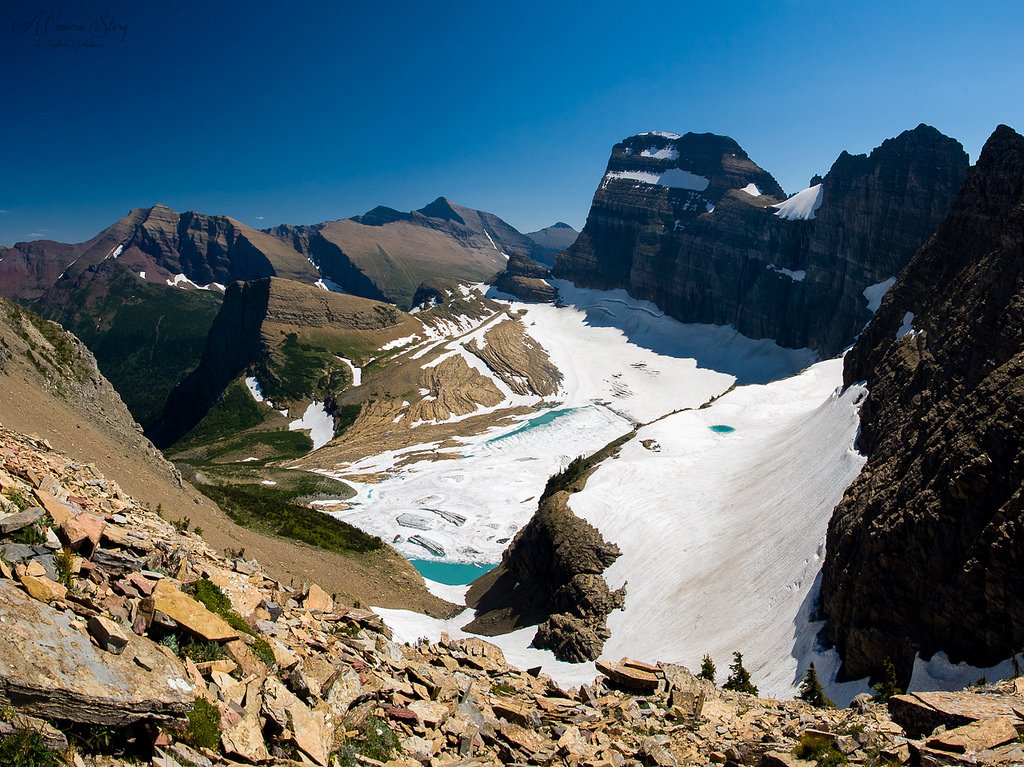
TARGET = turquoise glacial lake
x,y
538,420
450,573
721,428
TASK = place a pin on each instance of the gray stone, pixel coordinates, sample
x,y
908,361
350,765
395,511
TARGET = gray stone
x,y
14,522
49,669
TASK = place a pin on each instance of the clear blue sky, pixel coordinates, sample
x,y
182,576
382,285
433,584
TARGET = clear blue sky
x,y
277,115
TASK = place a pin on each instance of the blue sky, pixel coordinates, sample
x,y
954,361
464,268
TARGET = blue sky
x,y
276,115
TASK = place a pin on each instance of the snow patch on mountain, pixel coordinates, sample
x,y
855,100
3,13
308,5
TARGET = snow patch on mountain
x,y
875,293
674,178
318,422
752,190
795,275
802,205
661,153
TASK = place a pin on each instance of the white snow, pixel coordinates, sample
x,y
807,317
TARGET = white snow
x,y
268,482
318,422
941,674
623,361
142,275
907,328
676,178
797,275
752,190
408,626
662,134
661,153
357,372
875,293
325,283
181,281
250,459
399,342
254,388
724,534
802,205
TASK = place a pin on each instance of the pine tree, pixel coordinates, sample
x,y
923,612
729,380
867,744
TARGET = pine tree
x,y
812,691
707,669
739,677
1015,664
887,686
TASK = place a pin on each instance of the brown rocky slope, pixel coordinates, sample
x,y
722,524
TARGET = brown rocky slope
x,y
138,641
926,551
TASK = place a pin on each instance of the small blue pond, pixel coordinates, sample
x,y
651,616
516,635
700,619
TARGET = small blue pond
x,y
538,420
721,428
450,573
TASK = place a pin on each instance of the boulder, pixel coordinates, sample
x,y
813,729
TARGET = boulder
x,y
310,730
244,739
42,588
318,599
977,736
168,601
630,675
50,669
12,523
83,531
919,713
108,635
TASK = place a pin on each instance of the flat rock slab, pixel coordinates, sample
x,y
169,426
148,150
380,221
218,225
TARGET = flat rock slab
x,y
51,670
627,674
977,736
14,522
188,613
919,713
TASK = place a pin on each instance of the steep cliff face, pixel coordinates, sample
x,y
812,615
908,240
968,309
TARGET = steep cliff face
x,y
693,224
926,551
287,334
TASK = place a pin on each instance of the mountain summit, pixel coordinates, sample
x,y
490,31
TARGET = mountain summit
x,y
694,225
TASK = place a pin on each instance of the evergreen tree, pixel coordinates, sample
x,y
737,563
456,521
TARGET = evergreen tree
x,y
1015,664
887,686
812,691
739,677
707,669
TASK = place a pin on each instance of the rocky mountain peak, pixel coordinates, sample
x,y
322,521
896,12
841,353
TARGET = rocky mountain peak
x,y
692,224
442,208
924,550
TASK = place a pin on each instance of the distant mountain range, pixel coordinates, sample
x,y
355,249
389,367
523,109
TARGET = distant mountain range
x,y
143,293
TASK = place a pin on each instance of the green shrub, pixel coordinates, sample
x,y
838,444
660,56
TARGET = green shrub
x,y
888,685
25,748
182,525
18,499
739,677
256,508
819,749
31,535
707,669
376,741
201,652
64,561
812,691
203,729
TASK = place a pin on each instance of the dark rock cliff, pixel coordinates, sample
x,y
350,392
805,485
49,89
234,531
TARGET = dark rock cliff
x,y
926,551
525,279
694,225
